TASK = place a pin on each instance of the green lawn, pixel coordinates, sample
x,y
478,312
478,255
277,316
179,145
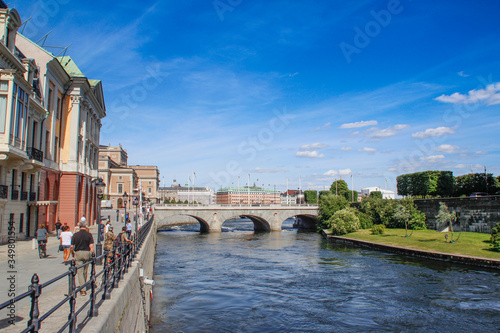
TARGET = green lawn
x,y
469,243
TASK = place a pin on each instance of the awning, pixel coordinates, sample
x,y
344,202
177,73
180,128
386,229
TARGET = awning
x,y
43,203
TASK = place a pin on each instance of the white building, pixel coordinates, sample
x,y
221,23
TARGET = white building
x,y
386,194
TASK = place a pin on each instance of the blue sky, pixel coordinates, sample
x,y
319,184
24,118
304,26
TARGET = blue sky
x,y
304,90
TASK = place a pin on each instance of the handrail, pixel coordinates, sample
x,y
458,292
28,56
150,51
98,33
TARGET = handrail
x,y
112,271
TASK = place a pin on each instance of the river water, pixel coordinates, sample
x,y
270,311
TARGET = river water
x,y
293,281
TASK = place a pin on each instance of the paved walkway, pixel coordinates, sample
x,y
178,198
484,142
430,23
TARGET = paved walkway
x,y
27,263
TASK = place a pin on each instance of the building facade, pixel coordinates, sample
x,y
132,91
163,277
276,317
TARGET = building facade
x,y
50,120
187,194
386,194
247,196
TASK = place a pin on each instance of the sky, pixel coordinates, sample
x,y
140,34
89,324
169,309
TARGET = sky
x,y
288,94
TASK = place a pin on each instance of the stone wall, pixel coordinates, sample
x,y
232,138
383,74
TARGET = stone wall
x,y
479,214
126,311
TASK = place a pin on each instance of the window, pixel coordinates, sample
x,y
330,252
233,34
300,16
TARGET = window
x,y
59,106
21,222
120,187
21,111
47,144
119,177
149,189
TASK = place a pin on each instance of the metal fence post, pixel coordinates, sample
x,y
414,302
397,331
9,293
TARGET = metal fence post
x,y
106,294
36,290
72,300
93,311
116,272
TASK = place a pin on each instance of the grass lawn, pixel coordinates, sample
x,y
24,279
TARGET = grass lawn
x,y
469,243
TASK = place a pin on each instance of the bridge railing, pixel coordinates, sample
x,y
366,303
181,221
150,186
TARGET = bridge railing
x,y
235,206
116,264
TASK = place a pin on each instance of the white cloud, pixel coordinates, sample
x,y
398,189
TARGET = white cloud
x,y
467,166
431,132
341,172
367,149
313,146
268,170
359,124
309,154
481,152
346,148
432,158
327,125
447,149
461,73
377,133
490,96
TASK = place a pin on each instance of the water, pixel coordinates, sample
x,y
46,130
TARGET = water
x,y
292,281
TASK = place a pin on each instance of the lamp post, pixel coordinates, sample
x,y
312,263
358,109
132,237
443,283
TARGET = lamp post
x,y
125,196
98,248
136,203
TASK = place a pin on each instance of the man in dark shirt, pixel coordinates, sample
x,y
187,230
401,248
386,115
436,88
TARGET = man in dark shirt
x,y
82,245
58,228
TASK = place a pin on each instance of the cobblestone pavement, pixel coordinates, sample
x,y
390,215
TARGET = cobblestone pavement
x,y
16,277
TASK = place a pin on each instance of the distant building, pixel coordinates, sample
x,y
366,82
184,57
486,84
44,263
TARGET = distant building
x,y
292,197
386,194
245,195
176,193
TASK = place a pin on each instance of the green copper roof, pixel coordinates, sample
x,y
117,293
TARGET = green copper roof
x,y
70,67
94,83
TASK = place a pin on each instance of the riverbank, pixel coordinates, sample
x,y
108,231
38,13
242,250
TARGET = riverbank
x,y
415,252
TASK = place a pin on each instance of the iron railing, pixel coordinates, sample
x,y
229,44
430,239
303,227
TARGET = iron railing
x,y
116,265
35,154
4,191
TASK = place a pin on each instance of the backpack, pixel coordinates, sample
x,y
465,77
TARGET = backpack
x,y
118,241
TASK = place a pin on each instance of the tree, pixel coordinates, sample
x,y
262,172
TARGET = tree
x,y
445,216
339,187
328,205
402,215
343,222
426,183
311,196
376,194
495,237
476,182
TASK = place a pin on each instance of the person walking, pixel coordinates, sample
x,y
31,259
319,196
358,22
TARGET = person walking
x,y
58,229
66,236
109,238
82,246
129,228
106,228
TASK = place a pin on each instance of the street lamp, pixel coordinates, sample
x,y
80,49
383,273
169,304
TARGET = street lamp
x,y
125,196
98,248
136,203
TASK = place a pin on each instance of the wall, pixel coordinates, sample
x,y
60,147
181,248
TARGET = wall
x,y
478,214
124,312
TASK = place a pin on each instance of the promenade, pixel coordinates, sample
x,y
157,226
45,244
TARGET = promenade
x,y
27,263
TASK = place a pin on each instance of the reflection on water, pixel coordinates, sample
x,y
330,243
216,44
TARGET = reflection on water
x,y
289,281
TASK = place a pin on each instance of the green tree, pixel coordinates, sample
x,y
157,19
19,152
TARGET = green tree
x,y
495,237
339,187
343,222
376,194
311,196
328,205
476,182
402,216
444,216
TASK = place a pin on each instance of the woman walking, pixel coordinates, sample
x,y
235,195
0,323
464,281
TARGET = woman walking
x,y
66,236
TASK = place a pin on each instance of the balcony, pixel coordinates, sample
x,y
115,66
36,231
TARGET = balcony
x,y
24,196
35,154
4,190
32,196
15,195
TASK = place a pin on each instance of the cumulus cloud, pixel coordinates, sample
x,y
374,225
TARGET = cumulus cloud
x,y
313,146
359,124
346,148
309,154
447,149
341,172
368,149
432,158
490,96
432,132
377,133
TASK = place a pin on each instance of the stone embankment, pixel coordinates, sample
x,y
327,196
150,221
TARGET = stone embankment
x,y
447,257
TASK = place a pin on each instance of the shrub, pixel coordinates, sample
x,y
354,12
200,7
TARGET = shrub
x,y
364,220
495,237
376,194
378,229
328,205
344,221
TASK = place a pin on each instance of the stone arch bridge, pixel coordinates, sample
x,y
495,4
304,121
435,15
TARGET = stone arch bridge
x,y
264,218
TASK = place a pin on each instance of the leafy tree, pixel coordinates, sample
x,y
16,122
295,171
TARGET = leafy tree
x,y
376,194
322,193
402,216
445,216
328,205
495,237
349,196
426,183
364,219
476,182
343,222
417,218
339,187
311,196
